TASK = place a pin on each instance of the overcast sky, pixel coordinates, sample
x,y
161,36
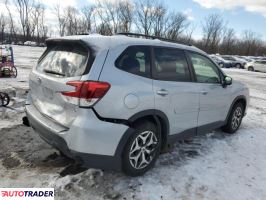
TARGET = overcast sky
x,y
239,14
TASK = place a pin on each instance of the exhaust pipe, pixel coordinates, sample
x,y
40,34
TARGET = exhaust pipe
x,y
25,121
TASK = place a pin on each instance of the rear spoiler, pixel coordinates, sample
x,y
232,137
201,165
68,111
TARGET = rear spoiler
x,y
54,41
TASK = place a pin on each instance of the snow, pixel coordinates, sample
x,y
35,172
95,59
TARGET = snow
x,y
214,166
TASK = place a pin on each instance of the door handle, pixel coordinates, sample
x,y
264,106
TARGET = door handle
x,y
162,92
204,92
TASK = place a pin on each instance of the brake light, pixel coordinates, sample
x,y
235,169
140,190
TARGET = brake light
x,y
87,92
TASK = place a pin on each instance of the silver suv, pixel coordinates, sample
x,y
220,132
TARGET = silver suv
x,y
115,102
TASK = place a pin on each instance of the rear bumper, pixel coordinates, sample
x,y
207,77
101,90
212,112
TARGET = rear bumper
x,y
58,136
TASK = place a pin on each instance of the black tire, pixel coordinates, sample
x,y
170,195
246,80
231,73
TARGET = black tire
x,y
132,164
13,72
251,68
238,66
235,118
5,99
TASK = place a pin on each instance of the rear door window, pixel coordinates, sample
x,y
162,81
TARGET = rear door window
x,y
64,61
135,60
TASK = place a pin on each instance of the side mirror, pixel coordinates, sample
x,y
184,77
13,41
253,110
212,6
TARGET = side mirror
x,y
227,81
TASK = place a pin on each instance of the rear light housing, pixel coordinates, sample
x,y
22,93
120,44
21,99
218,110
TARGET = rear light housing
x,y
86,93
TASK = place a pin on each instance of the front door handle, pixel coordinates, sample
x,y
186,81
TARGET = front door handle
x,y
204,92
162,92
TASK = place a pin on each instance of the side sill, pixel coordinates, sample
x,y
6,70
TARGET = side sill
x,y
194,131
181,136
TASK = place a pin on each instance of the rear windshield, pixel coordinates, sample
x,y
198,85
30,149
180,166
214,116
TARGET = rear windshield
x,y
64,61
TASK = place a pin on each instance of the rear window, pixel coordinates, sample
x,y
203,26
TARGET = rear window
x,y
64,61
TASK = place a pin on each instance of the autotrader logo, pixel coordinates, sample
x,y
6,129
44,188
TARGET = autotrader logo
x,y
26,193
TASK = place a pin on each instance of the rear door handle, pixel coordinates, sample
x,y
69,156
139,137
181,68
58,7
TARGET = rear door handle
x,y
162,92
204,92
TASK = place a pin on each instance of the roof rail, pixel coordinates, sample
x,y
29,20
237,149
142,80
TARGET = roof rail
x,y
151,37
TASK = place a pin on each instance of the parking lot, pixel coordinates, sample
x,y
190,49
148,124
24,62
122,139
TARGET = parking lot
x,y
215,166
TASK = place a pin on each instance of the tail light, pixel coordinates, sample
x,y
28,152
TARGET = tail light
x,y
87,93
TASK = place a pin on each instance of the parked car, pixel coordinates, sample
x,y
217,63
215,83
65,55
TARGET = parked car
x,y
20,43
221,62
41,45
256,65
116,102
30,43
236,62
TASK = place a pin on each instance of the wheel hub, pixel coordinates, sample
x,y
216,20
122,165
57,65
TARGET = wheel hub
x,y
142,150
236,120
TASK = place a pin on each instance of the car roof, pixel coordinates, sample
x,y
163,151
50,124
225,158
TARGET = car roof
x,y
99,42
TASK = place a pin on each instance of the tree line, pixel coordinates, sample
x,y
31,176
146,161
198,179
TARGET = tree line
x,y
26,20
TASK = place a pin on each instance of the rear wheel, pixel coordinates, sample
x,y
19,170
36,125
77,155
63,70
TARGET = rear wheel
x,y
235,118
251,68
142,149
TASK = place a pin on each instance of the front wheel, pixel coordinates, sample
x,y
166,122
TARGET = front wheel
x,y
142,149
251,69
235,118
238,66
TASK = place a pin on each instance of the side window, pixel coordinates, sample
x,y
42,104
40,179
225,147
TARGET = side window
x,y
170,65
135,60
205,70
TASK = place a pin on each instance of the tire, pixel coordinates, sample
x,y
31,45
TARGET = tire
x,y
251,68
143,145
238,66
5,99
14,72
235,119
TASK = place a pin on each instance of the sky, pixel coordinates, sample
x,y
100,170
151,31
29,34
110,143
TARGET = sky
x,y
238,14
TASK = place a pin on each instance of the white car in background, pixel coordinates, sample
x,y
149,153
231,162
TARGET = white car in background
x,y
256,65
30,43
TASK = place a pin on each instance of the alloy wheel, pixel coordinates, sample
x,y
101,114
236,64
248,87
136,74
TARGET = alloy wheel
x,y
143,150
236,119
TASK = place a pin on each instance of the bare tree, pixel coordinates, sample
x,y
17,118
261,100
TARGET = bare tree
x,y
160,19
71,21
176,25
114,16
43,29
188,35
3,23
61,19
145,15
125,15
11,21
250,42
212,29
87,12
24,8
229,41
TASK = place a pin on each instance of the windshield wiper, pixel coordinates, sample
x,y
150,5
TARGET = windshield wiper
x,y
53,72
